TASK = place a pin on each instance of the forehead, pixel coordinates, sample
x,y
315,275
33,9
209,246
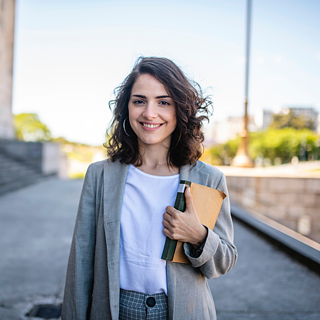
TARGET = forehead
x,y
147,84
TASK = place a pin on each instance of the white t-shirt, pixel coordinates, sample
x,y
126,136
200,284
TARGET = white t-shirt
x,y
141,235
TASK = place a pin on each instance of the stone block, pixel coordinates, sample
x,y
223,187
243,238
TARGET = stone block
x,y
249,197
309,199
315,227
251,182
230,181
296,211
288,199
315,236
313,185
234,185
314,213
296,184
242,182
264,184
234,196
280,185
267,198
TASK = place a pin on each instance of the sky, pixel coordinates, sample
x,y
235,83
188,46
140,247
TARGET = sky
x,y
70,55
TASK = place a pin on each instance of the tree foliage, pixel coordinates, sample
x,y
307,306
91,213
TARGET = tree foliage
x,y
290,120
273,143
64,141
28,127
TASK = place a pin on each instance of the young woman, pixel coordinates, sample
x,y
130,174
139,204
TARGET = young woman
x,y
115,269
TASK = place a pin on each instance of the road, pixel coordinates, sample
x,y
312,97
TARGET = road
x,y
36,225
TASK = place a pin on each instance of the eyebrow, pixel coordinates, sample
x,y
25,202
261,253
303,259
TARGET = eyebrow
x,y
144,97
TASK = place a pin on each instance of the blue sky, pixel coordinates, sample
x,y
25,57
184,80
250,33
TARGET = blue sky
x,y
71,54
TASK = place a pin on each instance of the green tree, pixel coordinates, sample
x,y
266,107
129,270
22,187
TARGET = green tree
x,y
28,127
290,120
273,143
282,143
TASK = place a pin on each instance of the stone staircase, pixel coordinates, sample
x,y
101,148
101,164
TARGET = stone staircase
x,y
14,174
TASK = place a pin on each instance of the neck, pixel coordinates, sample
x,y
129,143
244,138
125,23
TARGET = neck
x,y
154,156
154,160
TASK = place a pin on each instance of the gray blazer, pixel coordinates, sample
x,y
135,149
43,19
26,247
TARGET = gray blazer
x,y
92,283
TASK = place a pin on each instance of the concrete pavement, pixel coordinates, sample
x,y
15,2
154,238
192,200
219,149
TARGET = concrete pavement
x,y
36,225
265,284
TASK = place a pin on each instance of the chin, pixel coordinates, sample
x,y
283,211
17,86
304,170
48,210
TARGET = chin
x,y
151,142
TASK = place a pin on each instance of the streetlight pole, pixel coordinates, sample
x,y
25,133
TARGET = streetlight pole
x,y
242,158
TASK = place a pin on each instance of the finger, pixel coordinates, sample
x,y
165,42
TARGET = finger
x,y
167,225
189,200
170,233
167,216
167,233
172,211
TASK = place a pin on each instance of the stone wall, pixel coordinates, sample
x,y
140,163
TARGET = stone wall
x,y
293,202
42,157
7,10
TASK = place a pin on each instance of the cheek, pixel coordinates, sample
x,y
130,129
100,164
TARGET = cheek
x,y
131,113
131,117
171,116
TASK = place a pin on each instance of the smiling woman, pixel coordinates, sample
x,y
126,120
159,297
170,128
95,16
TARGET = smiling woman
x,y
152,112
115,270
166,88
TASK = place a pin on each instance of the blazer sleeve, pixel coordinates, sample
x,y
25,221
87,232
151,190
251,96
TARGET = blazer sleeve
x,y
219,254
79,279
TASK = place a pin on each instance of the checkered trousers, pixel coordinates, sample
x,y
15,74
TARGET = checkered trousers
x,y
138,306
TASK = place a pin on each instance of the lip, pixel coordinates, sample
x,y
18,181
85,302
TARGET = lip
x,y
158,125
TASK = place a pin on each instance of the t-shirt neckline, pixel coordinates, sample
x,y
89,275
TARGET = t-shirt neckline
x,y
152,175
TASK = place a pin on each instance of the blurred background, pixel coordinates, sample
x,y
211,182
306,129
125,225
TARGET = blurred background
x,y
60,61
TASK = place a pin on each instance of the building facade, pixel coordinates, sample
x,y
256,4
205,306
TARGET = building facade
x,y
7,14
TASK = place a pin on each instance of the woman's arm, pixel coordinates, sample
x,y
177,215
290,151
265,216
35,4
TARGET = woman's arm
x,y
217,252
78,288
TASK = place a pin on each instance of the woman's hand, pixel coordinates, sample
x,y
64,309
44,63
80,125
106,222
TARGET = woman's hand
x,y
184,226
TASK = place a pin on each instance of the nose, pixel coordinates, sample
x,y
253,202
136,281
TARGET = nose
x,y
150,111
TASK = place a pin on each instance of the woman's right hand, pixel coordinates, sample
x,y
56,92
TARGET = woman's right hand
x,y
184,226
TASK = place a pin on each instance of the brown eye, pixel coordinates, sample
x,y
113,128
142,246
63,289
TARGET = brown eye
x,y
138,102
164,103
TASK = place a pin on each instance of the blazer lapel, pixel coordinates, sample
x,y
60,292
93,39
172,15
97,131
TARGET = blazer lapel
x,y
115,175
194,174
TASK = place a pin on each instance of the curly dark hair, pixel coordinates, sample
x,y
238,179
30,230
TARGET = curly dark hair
x,y
191,109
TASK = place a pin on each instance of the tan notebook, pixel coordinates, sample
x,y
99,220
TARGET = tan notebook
x,y
207,202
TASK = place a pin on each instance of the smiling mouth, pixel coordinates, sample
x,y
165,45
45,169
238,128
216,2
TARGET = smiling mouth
x,y
151,126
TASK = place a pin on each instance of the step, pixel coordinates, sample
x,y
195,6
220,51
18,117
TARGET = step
x,y
15,185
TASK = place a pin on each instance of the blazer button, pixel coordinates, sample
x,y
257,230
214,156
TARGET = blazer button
x,y
151,301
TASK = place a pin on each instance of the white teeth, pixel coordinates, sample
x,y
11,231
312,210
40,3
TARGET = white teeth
x,y
151,125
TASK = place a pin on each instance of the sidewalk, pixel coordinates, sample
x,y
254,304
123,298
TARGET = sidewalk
x,y
35,236
265,284
36,225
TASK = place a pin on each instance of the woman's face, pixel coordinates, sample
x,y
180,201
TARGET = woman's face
x,y
152,112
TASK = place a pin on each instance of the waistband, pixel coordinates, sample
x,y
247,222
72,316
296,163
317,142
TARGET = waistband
x,y
139,300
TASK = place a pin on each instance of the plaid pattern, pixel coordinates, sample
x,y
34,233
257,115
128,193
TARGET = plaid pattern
x,y
133,306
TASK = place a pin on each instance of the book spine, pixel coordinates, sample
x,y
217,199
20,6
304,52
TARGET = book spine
x,y
180,204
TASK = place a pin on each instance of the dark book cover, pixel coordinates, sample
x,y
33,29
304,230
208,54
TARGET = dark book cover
x,y
180,204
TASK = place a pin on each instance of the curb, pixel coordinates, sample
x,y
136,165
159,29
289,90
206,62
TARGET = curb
x,y
300,247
